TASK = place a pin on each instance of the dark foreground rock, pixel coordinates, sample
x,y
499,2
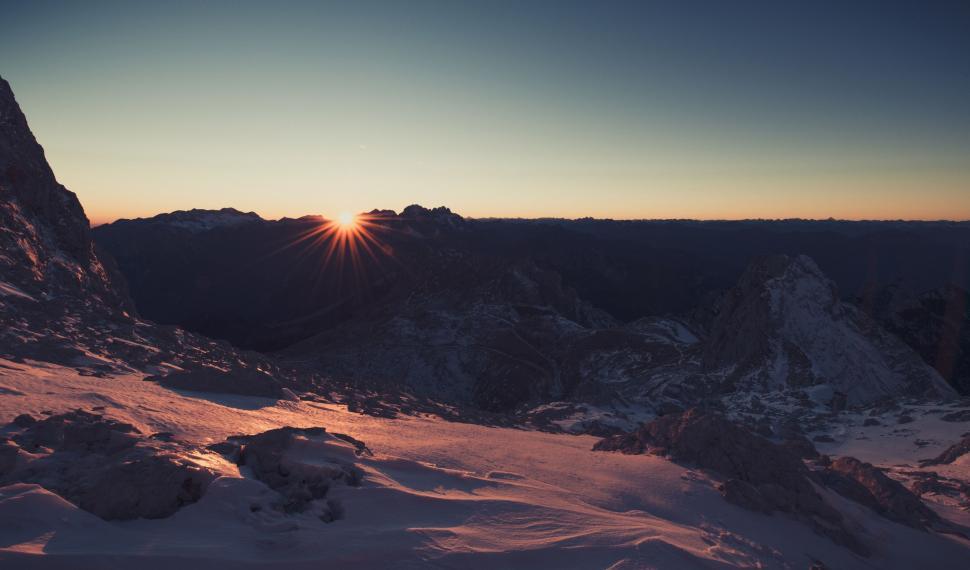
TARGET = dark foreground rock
x,y
868,485
103,466
111,469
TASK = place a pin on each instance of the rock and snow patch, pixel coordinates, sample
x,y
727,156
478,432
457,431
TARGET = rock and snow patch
x,y
300,464
110,469
767,477
103,466
783,326
437,493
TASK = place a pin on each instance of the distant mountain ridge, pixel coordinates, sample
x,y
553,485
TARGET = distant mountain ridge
x,y
265,285
198,220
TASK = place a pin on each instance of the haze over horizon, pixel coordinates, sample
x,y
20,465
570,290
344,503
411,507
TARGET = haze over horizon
x,y
618,110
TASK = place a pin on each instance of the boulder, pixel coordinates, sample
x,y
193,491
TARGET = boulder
x,y
272,458
868,485
103,466
141,485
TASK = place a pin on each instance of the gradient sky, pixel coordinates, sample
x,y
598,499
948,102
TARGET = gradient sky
x,y
609,109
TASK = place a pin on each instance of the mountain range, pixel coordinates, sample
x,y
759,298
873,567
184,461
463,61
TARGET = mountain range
x,y
504,313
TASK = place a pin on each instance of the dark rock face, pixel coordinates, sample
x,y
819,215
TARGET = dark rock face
x,y
950,454
867,485
26,178
935,323
800,446
741,332
153,486
103,466
46,243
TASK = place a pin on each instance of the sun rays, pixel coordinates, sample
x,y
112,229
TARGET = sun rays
x,y
348,249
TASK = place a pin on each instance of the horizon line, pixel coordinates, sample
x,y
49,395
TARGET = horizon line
x,y
93,224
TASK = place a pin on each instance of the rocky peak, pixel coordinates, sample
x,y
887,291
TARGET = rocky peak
x,y
45,248
25,177
765,298
439,214
784,326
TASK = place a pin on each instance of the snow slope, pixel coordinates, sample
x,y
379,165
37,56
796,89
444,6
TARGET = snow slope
x,y
435,495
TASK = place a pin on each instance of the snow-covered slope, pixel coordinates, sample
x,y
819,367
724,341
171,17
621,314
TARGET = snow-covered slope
x,y
434,494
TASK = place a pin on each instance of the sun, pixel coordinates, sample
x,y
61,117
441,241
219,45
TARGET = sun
x,y
346,220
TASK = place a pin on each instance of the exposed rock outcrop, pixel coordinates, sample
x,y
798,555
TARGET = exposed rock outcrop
x,y
935,323
45,245
950,454
103,466
300,464
869,486
111,469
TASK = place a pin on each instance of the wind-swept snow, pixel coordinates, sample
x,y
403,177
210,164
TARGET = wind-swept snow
x,y
433,494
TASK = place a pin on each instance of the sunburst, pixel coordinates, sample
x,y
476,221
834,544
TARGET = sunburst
x,y
342,247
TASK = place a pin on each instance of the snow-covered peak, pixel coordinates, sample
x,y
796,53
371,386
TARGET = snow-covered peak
x,y
784,326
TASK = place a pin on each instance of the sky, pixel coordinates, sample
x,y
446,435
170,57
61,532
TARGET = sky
x,y
673,109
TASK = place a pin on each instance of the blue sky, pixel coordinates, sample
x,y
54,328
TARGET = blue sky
x,y
610,109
